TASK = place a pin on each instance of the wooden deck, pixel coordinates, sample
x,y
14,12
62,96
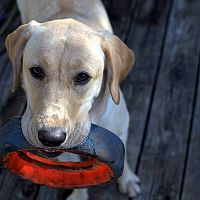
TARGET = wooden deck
x,y
163,95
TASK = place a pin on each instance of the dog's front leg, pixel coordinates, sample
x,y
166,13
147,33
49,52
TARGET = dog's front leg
x,y
128,182
79,194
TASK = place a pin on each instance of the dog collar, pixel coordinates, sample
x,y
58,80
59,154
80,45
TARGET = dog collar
x,y
104,150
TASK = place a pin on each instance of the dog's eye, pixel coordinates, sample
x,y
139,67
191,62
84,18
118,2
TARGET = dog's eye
x,y
82,78
37,72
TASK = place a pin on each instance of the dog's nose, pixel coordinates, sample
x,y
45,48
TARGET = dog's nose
x,y
52,137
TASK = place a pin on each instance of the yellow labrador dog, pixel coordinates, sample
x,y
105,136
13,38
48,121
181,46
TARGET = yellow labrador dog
x,y
70,65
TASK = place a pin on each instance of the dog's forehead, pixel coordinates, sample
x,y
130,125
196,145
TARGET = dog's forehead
x,y
55,40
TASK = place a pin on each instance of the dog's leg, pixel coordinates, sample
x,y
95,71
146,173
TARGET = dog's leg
x,y
116,119
128,182
79,194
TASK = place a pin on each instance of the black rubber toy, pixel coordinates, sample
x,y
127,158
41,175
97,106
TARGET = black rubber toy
x,y
101,144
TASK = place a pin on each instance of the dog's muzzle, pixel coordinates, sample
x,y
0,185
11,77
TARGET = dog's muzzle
x,y
103,149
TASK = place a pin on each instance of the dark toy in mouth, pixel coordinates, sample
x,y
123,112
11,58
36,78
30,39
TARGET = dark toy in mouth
x,y
102,153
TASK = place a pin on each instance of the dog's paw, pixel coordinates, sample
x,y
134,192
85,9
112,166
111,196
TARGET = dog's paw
x,y
129,184
79,194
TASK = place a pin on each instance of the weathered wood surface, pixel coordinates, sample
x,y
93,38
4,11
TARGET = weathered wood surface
x,y
145,36
192,172
162,93
169,125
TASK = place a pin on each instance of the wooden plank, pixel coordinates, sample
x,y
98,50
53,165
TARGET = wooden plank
x,y
5,80
163,156
5,65
122,16
192,174
145,38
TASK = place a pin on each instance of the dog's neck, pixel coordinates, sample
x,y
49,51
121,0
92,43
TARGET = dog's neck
x,y
101,102
100,106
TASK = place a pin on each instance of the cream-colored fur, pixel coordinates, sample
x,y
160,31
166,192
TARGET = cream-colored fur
x,y
66,38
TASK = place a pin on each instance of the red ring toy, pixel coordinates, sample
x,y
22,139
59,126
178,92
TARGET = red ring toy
x,y
103,149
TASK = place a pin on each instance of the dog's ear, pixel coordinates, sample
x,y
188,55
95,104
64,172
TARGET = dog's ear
x,y
15,43
119,60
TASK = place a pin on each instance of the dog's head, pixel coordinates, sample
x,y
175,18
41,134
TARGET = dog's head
x,y
61,64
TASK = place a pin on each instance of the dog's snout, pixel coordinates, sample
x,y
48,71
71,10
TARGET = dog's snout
x,y
52,137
